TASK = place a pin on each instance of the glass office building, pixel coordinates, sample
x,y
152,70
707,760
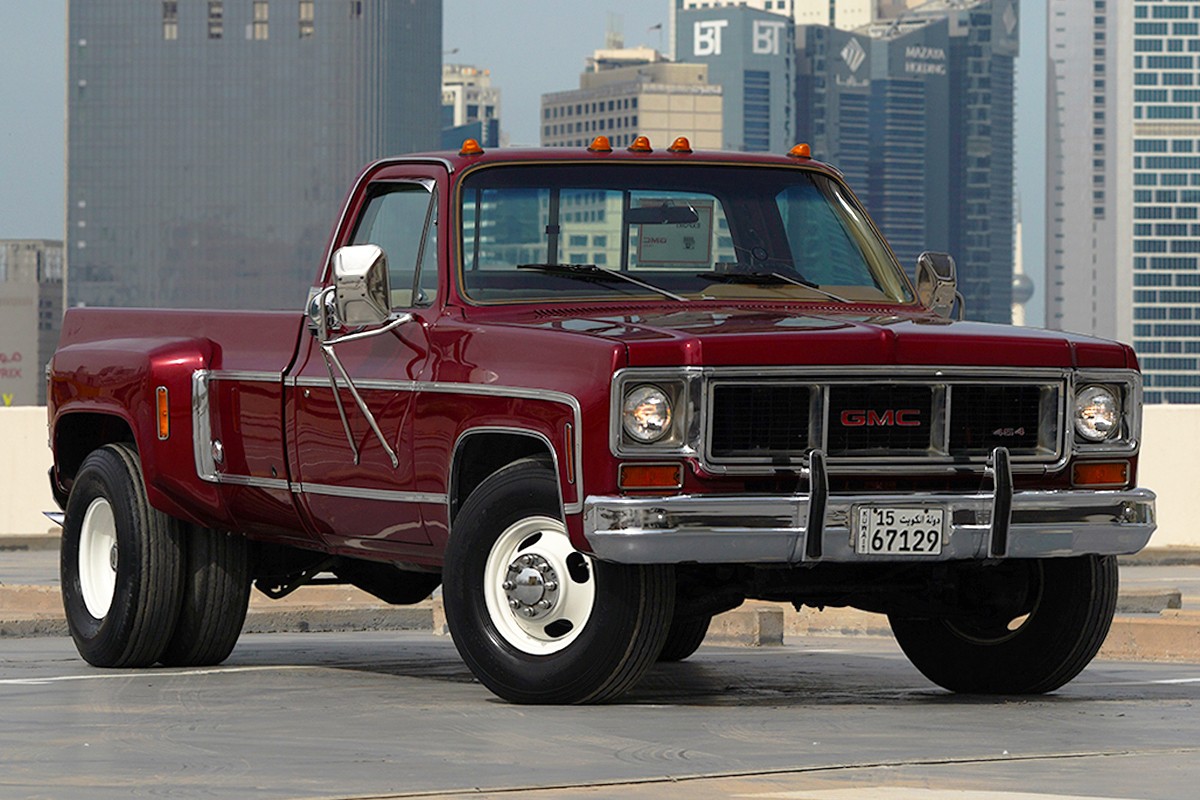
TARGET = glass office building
x,y
1166,198
1123,247
211,142
918,112
749,54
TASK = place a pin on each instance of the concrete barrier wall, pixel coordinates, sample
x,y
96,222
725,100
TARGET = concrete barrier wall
x,y
1170,465
24,459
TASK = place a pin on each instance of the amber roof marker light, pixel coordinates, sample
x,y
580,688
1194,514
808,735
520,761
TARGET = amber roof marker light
x,y
801,151
680,145
641,145
470,147
600,145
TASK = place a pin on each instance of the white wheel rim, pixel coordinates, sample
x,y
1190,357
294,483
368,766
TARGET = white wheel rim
x,y
98,558
570,604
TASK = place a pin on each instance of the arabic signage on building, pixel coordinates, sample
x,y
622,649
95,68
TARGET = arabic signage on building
x,y
19,368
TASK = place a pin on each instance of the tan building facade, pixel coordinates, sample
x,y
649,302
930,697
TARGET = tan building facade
x,y
31,308
626,94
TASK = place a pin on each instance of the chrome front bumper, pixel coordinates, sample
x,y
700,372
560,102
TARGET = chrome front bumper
x,y
708,529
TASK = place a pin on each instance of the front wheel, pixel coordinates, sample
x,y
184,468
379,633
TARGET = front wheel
x,y
1037,648
536,620
684,638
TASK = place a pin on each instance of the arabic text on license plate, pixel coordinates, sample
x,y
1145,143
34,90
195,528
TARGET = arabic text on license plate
x,y
899,531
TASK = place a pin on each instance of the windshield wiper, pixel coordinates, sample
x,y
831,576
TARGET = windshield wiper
x,y
591,271
767,278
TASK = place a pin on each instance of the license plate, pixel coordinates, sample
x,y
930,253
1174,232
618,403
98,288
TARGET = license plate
x,y
899,530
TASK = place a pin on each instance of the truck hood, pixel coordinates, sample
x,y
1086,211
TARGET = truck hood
x,y
740,335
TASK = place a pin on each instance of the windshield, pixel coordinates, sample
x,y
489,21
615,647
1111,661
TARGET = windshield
x,y
695,231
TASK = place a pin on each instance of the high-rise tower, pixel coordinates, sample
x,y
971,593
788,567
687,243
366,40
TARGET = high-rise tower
x,y
210,143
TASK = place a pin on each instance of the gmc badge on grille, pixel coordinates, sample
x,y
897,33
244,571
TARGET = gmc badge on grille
x,y
891,418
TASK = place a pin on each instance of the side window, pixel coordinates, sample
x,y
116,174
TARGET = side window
x,y
399,218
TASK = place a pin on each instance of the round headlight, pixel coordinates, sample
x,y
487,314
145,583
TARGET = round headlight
x,y
1097,413
646,413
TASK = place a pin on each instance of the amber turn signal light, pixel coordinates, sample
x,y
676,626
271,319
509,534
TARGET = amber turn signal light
x,y
800,151
600,145
162,409
641,145
470,148
1100,473
650,476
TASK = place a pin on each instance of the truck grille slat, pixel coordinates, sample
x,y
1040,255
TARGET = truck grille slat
x,y
751,421
984,417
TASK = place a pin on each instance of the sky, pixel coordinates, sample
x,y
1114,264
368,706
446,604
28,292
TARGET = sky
x,y
531,47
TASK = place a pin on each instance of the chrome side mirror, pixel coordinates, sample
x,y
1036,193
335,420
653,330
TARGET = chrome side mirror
x,y
360,295
937,284
361,287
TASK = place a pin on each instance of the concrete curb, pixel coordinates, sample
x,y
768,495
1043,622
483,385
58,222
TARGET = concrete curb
x,y
1149,625
31,541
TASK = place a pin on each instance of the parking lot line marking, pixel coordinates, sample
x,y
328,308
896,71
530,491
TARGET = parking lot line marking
x,y
913,793
146,673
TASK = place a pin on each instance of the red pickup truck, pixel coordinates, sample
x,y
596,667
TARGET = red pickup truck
x,y
598,397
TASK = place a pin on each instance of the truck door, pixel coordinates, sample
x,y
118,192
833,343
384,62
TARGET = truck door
x,y
355,481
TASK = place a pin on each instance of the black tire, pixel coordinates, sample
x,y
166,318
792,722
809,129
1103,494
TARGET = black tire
x,y
216,593
599,634
143,587
1071,606
684,637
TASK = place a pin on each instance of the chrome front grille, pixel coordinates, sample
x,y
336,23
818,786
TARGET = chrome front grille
x,y
922,420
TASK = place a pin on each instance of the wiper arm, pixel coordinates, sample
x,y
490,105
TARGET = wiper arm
x,y
767,278
588,271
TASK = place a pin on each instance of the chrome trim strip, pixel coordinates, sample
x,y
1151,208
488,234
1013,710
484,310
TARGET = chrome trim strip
x,y
378,384
751,529
485,390
246,376
357,493
278,484
57,517
206,468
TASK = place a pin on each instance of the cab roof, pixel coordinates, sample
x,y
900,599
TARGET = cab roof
x,y
472,155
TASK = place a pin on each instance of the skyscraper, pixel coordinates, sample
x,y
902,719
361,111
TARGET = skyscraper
x,y
918,112
31,298
749,53
470,106
210,143
1123,250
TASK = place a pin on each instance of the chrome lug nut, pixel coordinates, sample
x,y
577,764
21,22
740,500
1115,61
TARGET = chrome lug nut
x,y
551,586
508,586
544,604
